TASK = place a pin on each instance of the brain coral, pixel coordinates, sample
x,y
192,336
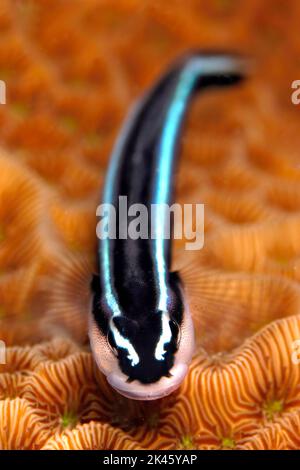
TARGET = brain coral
x,y
71,71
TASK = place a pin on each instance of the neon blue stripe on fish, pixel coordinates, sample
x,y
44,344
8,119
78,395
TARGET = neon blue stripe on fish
x,y
174,117
108,198
165,158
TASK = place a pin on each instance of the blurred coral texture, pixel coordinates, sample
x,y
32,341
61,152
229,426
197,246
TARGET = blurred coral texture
x,y
72,68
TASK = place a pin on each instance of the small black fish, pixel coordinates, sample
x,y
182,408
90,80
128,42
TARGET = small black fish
x,y
141,330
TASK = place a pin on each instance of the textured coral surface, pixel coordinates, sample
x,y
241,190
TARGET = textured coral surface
x,y
72,68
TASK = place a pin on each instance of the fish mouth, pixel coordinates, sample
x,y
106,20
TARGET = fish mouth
x,y
153,391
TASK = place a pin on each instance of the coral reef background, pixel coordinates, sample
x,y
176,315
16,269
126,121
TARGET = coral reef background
x,y
72,69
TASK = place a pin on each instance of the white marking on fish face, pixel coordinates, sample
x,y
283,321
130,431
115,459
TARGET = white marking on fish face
x,y
165,336
124,343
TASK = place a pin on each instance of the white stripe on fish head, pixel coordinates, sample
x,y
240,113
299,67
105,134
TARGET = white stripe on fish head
x,y
124,343
165,336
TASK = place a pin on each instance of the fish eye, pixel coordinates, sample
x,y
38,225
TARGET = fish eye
x,y
110,342
176,330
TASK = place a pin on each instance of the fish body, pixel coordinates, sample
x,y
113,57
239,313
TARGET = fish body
x,y
140,327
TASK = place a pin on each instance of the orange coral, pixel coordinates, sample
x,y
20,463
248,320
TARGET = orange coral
x,y
19,426
72,69
92,436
